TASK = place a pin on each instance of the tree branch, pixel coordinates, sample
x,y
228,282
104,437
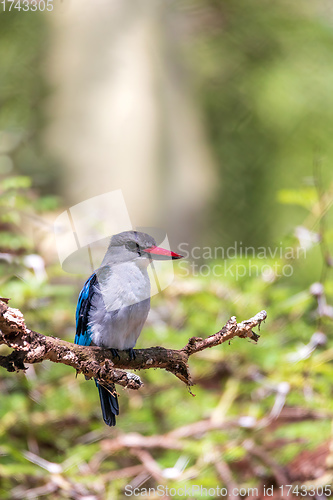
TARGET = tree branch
x,y
94,362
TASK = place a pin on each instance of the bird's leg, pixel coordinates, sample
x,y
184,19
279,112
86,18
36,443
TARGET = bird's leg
x,y
131,354
114,353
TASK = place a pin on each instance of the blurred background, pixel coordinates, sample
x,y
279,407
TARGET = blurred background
x,y
215,120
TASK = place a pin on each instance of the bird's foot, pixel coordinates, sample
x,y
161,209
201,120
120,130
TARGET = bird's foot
x,y
131,354
115,353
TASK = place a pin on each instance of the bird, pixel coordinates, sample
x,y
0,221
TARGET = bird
x,y
114,303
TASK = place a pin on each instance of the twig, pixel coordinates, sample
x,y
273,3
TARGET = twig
x,y
94,362
260,453
135,440
150,464
123,473
223,470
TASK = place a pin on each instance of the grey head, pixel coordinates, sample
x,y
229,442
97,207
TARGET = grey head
x,y
135,246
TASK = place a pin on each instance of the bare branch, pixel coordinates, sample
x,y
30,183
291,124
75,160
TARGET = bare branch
x,y
32,347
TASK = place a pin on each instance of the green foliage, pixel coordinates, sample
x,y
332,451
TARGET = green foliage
x,y
305,197
17,203
54,415
262,76
14,183
24,43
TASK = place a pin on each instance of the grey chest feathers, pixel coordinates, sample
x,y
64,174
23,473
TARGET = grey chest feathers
x,y
119,306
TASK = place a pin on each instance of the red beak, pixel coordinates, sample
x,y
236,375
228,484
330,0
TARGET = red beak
x,y
158,253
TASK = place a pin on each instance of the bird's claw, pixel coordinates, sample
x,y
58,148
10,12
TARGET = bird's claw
x,y
131,354
115,353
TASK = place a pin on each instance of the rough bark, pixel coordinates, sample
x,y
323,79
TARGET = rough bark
x,y
32,347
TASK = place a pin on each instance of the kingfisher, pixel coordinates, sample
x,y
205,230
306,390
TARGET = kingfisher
x,y
114,302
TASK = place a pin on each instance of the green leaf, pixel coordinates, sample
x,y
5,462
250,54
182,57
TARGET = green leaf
x,y
16,182
305,197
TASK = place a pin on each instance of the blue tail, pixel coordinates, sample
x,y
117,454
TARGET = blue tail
x,y
109,403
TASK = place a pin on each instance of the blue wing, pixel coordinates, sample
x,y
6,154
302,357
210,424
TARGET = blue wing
x,y
83,334
107,393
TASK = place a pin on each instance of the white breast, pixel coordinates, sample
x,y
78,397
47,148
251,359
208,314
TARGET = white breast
x,y
120,306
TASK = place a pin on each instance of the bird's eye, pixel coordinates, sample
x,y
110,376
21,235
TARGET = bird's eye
x,y
132,246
